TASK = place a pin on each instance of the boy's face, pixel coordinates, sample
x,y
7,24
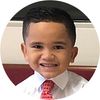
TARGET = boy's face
x,y
48,48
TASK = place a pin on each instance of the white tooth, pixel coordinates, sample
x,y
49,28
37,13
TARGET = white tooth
x,y
48,65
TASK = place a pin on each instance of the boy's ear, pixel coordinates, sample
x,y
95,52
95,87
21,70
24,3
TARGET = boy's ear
x,y
74,54
24,50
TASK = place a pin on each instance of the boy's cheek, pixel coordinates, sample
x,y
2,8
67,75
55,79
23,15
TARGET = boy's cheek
x,y
33,60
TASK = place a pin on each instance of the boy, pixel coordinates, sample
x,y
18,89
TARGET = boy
x,y
49,36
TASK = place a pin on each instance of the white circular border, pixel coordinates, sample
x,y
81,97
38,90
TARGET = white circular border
x,y
9,9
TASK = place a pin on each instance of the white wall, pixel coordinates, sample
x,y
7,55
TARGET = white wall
x,y
87,42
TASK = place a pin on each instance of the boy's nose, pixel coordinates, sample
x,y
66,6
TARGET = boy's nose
x,y
48,55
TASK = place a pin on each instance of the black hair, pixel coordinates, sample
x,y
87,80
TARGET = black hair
x,y
47,14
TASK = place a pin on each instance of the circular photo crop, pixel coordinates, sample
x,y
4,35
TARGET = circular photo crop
x,y
49,49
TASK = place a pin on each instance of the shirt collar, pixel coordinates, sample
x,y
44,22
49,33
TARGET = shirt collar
x,y
39,79
60,80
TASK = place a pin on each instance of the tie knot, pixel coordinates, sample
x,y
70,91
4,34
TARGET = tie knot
x,y
47,85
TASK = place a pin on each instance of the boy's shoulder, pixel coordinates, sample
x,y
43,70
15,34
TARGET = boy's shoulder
x,y
76,80
27,82
75,76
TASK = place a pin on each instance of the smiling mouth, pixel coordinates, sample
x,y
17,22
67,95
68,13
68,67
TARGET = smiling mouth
x,y
48,65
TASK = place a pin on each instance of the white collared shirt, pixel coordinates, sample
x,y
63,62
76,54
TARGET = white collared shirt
x,y
66,84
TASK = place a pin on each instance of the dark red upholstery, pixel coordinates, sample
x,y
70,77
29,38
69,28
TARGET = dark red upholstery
x,y
19,72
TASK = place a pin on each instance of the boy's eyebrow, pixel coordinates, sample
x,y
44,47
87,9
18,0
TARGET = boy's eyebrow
x,y
60,42
33,43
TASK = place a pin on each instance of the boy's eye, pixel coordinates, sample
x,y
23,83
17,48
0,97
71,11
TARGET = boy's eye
x,y
37,46
58,47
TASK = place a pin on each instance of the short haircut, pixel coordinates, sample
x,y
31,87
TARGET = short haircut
x,y
48,14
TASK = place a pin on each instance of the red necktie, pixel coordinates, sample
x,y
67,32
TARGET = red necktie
x,y
47,87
